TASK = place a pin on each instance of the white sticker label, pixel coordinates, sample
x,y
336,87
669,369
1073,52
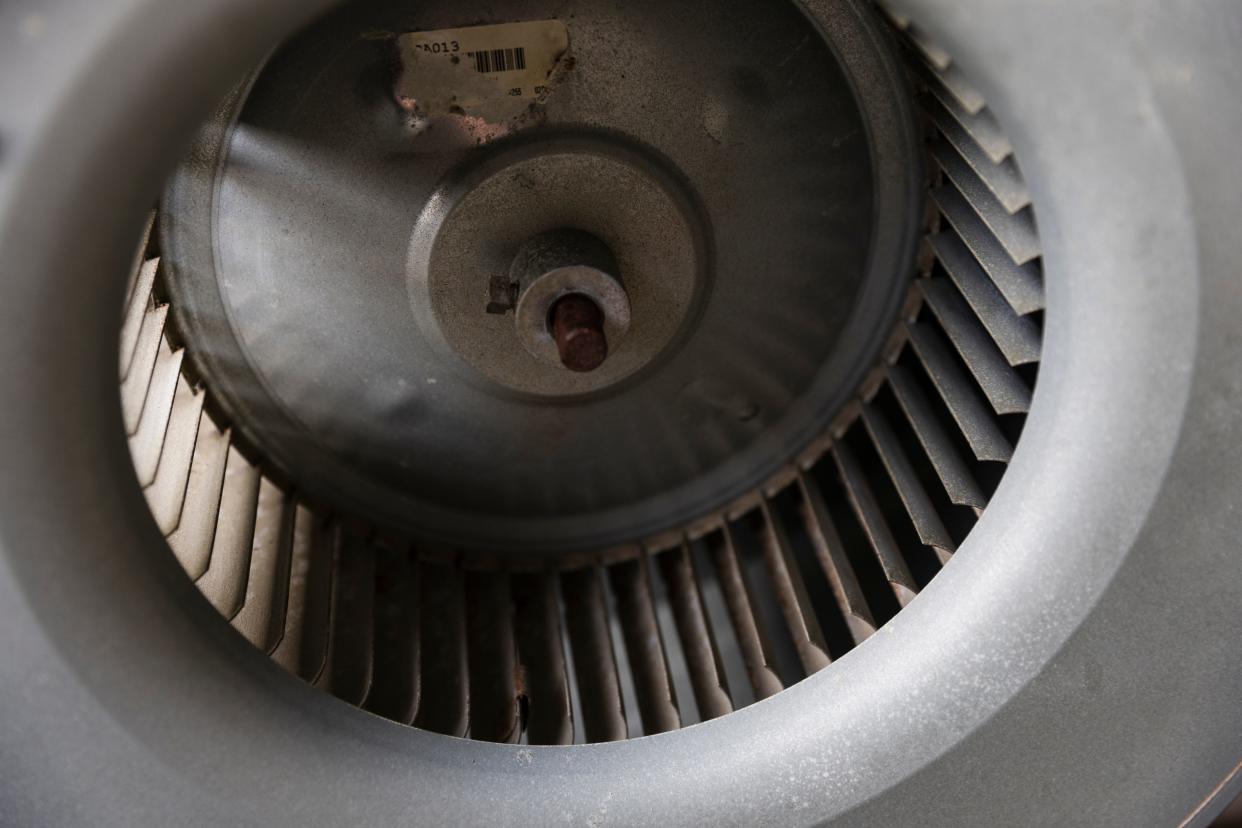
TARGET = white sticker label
x,y
489,72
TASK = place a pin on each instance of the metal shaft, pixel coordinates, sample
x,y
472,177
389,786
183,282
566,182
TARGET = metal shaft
x,y
577,324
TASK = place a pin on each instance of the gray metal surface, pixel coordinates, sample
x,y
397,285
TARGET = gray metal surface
x,y
1075,663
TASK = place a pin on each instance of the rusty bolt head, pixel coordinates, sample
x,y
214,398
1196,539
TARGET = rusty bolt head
x,y
577,325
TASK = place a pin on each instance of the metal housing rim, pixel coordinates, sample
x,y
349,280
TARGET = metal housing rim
x,y
881,736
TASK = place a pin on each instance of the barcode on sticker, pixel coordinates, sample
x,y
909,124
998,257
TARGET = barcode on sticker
x,y
499,60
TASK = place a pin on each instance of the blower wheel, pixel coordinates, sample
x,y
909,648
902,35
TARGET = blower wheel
x,y
783,439
833,406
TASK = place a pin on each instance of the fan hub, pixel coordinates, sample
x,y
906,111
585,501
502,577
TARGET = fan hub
x,y
481,226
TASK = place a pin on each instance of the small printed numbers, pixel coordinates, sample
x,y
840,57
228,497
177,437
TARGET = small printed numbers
x,y
442,47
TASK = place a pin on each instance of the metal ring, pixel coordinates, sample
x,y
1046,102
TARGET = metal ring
x,y
536,302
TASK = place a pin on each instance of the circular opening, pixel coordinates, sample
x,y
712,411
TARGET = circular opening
x,y
355,456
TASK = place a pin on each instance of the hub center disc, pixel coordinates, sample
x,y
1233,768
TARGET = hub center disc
x,y
477,223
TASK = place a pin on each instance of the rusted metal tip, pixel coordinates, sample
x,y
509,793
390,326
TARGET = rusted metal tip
x,y
577,325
